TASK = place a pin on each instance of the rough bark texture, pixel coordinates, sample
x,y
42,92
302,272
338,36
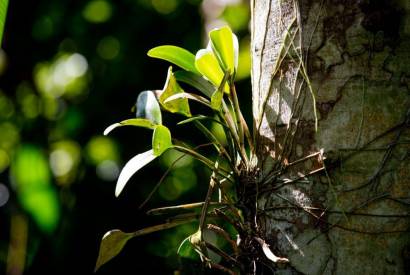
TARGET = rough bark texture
x,y
351,215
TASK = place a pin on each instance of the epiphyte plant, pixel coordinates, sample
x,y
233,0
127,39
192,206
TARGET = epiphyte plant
x,y
211,72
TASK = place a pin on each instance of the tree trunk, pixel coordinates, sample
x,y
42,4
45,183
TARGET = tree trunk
x,y
335,200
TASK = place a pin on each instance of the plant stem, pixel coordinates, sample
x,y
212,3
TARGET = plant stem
x,y
223,172
212,184
237,114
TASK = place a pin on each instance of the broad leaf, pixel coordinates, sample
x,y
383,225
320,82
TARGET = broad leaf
x,y
171,88
111,245
216,98
114,241
161,140
208,66
196,81
140,122
148,107
225,46
3,15
175,55
132,166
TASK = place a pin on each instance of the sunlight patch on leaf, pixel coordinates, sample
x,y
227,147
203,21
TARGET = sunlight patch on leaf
x,y
208,66
223,42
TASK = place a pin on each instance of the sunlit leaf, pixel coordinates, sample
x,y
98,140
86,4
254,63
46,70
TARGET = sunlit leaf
x,y
140,122
199,117
132,166
111,245
171,88
3,13
175,55
223,44
148,107
208,66
195,97
195,81
161,140
216,98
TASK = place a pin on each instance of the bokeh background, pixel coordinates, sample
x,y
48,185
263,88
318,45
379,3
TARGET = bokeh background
x,y
68,69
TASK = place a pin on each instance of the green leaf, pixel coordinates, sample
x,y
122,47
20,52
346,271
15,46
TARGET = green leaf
x,y
195,97
161,140
148,107
171,88
139,122
196,81
114,241
132,166
225,46
111,245
216,98
175,55
208,66
3,15
199,117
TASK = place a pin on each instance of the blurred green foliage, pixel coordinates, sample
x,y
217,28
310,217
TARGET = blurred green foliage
x,y
68,69
32,179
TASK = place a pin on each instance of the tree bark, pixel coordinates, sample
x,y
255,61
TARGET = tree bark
x,y
335,200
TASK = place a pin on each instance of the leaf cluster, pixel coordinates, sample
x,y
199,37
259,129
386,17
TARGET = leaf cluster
x,y
211,74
